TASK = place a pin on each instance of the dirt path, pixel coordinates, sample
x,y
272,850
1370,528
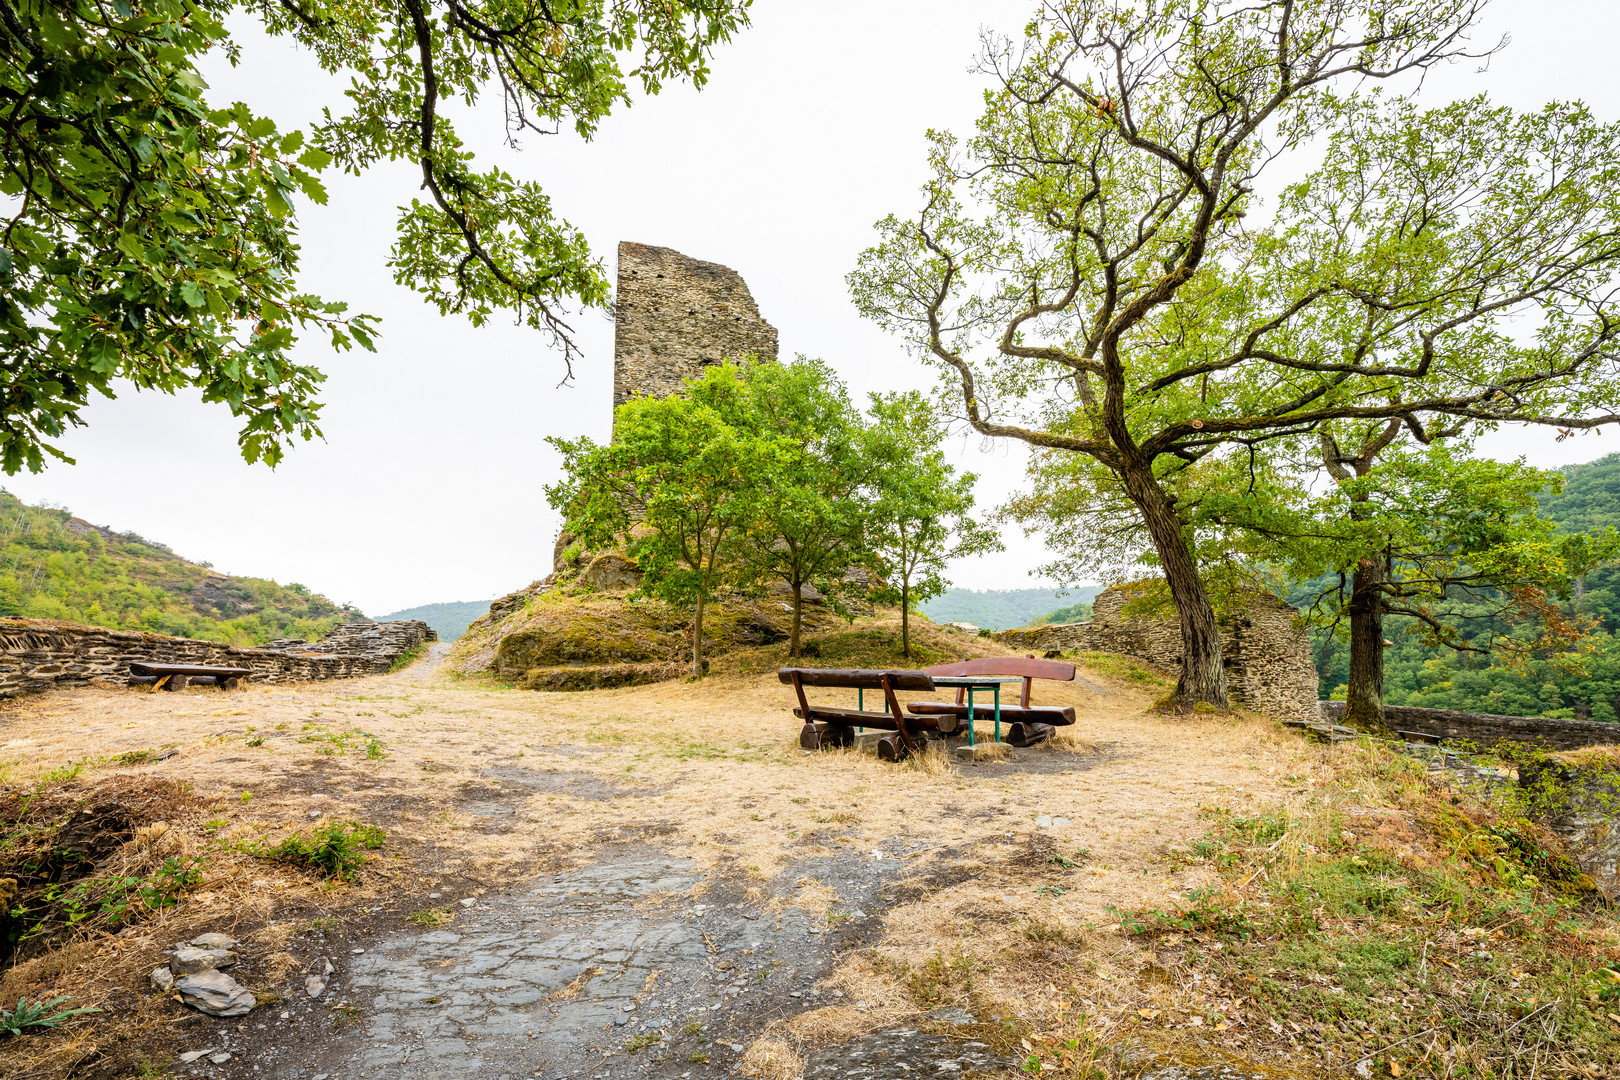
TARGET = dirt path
x,y
641,881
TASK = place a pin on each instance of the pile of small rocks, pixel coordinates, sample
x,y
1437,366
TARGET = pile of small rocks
x,y
194,971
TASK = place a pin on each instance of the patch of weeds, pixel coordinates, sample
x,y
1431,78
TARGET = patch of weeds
x,y
1053,891
333,849
1204,911
937,981
430,917
642,1041
136,757
408,657
344,1015
62,775
698,1057
692,1029
37,1014
247,797
374,748
257,740
118,899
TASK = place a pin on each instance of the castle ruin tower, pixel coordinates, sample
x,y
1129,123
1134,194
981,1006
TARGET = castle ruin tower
x,y
676,315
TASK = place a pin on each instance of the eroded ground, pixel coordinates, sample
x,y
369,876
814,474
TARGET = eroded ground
x,y
654,881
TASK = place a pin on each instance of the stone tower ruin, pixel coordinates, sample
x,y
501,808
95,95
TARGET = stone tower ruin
x,y
675,316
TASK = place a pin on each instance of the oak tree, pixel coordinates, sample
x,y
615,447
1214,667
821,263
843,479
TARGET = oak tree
x,y
1096,272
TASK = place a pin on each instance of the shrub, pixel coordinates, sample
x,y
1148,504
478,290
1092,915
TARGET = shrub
x,y
333,849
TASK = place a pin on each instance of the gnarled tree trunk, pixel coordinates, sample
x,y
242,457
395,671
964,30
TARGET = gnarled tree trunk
x,y
1203,671
1364,697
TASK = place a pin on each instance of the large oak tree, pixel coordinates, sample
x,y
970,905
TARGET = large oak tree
x,y
1096,272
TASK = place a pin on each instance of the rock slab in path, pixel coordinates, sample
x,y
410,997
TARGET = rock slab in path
x,y
904,1053
215,993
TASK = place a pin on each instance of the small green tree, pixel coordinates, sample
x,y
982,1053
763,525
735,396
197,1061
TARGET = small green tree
x,y
675,489
809,504
920,514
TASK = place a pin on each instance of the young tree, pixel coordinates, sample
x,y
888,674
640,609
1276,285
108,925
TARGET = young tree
x,y
809,500
1422,530
920,515
150,237
674,489
1112,301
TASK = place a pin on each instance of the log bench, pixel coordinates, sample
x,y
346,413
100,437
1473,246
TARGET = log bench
x,y
180,676
1028,724
826,726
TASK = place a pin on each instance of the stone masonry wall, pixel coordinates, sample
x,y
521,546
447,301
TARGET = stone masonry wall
x,y
36,656
1266,648
674,316
1484,729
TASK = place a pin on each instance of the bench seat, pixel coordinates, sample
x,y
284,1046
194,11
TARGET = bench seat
x,y
1055,715
180,676
829,726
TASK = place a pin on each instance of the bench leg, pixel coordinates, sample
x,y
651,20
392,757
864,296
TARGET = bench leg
x,y
810,737
177,682
1021,733
838,735
232,683
891,748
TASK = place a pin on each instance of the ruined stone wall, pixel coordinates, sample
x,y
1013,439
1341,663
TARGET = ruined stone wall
x,y
1265,646
674,316
36,656
1484,729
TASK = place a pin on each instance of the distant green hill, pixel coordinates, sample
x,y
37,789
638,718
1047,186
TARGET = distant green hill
x,y
1002,609
56,566
449,621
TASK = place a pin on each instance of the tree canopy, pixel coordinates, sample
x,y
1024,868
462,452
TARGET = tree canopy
x,y
150,233
1108,268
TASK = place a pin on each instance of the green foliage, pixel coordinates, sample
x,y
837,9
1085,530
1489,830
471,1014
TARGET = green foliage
x,y
1082,274
921,511
37,1014
55,566
334,849
408,657
676,488
154,241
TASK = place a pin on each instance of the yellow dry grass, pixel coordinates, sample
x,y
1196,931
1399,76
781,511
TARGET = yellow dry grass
x,y
710,770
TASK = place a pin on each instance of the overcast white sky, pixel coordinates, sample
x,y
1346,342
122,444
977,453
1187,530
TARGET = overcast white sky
x,y
428,486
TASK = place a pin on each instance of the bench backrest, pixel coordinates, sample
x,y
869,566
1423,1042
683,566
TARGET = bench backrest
x,y
857,678
1027,667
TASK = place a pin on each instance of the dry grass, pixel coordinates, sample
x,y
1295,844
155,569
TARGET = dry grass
x,y
771,1058
997,913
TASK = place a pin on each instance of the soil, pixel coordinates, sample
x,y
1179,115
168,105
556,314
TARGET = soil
x,y
657,881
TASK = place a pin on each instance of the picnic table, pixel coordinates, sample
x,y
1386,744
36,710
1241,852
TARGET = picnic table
x,y
827,726
180,676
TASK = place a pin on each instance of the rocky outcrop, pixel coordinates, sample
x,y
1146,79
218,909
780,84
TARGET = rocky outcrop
x,y
675,315
1263,641
37,655
1579,799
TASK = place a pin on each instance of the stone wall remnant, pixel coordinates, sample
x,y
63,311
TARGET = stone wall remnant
x,y
1263,641
1483,729
676,315
36,655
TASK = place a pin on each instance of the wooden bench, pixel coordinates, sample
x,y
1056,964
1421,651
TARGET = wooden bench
x,y
1028,724
180,676
826,726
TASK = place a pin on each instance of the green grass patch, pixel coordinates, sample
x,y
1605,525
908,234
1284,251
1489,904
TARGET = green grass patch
x,y
335,850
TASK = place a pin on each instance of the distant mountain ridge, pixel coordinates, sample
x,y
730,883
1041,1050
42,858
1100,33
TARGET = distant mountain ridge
x,y
449,620
54,565
1003,609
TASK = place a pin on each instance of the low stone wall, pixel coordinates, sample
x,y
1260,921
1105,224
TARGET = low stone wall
x,y
1486,728
36,656
1265,645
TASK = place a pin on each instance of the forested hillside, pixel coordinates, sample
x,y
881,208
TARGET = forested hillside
x,y
1420,674
1002,609
448,620
56,566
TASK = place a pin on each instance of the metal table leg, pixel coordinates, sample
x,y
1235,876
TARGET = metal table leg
x,y
998,712
970,715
